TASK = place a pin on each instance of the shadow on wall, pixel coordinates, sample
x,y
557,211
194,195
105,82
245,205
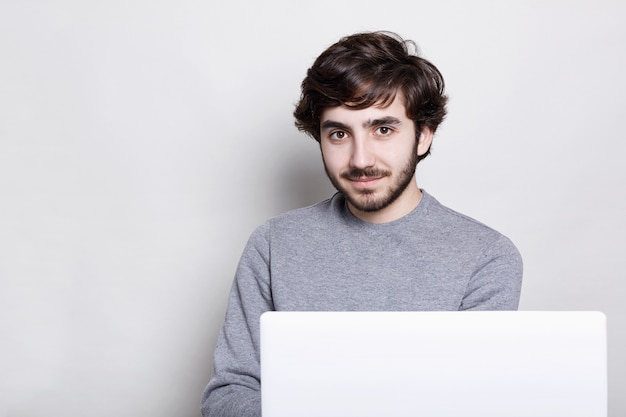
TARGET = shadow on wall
x,y
301,180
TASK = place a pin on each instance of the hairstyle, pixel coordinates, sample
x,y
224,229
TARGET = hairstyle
x,y
367,69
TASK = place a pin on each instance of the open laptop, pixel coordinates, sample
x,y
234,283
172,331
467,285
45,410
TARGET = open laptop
x,y
434,364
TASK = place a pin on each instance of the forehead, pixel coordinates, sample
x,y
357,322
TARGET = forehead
x,y
350,115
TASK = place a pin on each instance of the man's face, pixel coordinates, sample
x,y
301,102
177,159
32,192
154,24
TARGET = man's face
x,y
370,155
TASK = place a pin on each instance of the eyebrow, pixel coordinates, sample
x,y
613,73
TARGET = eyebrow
x,y
331,124
389,120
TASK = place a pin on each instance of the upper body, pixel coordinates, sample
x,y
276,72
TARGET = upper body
x,y
381,243
324,258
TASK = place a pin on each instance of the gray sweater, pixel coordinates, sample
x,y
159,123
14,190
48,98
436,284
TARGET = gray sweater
x,y
323,258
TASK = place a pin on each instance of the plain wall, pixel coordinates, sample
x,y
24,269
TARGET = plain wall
x,y
141,142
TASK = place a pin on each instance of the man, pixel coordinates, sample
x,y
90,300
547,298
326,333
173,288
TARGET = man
x,y
380,243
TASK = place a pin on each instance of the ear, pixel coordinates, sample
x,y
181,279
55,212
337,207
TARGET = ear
x,y
424,141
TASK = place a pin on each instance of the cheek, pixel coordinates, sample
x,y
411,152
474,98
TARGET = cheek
x,y
399,155
333,158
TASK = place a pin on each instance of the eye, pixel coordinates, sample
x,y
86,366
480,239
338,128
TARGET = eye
x,y
338,135
384,131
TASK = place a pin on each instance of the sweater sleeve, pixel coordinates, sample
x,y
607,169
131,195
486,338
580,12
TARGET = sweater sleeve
x,y
234,389
496,281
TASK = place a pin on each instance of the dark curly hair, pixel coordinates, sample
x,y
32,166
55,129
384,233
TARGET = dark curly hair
x,y
368,69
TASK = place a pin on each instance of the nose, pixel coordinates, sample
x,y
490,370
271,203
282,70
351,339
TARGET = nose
x,y
362,153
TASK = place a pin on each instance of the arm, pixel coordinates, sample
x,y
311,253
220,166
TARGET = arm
x,y
234,389
496,281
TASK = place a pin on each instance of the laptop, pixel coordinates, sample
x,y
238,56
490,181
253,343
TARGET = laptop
x,y
434,364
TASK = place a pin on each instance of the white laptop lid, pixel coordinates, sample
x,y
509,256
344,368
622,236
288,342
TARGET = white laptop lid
x,y
433,364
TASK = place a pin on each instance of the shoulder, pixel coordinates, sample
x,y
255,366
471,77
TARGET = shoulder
x,y
465,230
304,218
301,221
450,220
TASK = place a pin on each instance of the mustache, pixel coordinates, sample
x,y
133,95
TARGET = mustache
x,y
360,173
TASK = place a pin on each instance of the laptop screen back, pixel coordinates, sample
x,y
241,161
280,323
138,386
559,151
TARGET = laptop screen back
x,y
434,364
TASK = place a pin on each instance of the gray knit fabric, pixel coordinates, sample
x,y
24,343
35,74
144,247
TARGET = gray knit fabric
x,y
323,258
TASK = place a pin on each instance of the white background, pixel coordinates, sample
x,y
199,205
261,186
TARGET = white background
x,y
141,142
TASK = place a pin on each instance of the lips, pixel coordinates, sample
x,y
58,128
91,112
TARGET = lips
x,y
364,182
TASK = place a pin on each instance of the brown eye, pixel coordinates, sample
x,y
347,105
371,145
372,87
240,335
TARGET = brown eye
x,y
383,131
338,135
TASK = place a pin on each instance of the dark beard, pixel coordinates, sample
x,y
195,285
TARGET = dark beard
x,y
368,205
